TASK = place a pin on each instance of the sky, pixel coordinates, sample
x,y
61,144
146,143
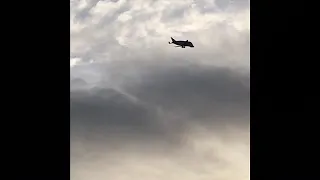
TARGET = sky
x,y
144,109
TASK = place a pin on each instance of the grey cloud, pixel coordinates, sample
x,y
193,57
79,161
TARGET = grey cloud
x,y
234,4
106,108
77,82
168,98
84,13
173,13
199,91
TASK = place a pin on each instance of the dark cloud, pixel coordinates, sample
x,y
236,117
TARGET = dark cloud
x,y
77,83
199,91
108,111
161,102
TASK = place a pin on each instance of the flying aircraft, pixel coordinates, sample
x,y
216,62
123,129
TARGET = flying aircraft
x,y
181,44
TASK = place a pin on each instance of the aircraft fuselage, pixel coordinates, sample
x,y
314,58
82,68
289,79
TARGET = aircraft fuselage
x,y
183,44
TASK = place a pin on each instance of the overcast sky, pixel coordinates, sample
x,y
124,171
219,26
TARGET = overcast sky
x,y
142,109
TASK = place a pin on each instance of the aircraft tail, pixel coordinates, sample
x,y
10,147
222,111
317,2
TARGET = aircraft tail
x,y
173,39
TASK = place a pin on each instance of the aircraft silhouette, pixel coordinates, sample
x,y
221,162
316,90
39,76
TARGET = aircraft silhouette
x,y
181,44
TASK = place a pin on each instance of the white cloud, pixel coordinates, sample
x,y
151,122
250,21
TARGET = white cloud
x,y
120,28
74,61
203,156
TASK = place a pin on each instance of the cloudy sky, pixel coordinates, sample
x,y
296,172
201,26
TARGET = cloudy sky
x,y
142,109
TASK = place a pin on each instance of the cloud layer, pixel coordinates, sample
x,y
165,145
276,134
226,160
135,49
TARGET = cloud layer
x,y
142,109
116,30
